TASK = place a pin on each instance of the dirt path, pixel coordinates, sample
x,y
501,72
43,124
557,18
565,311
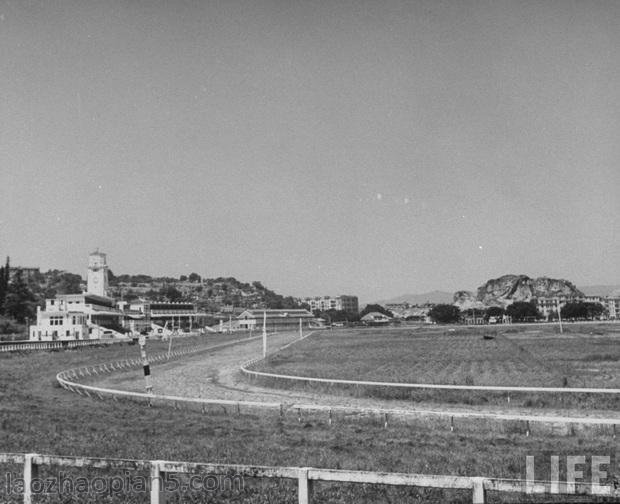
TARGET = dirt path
x,y
215,375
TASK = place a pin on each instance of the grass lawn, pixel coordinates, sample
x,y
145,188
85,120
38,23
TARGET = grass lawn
x,y
537,356
38,416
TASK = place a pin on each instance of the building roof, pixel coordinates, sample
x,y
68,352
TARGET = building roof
x,y
292,313
376,316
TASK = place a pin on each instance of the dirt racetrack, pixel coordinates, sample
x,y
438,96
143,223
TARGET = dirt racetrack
x,y
216,375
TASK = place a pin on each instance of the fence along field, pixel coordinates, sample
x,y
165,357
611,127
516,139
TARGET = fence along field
x,y
230,479
585,357
38,416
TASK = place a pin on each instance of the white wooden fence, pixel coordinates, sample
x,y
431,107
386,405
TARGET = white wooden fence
x,y
21,346
305,476
246,368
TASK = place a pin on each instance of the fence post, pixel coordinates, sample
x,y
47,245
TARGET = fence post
x,y
31,470
304,490
478,491
157,492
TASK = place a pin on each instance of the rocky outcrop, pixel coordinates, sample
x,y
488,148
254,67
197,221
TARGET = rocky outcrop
x,y
507,289
466,300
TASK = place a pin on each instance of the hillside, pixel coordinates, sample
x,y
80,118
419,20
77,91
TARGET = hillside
x,y
211,294
507,289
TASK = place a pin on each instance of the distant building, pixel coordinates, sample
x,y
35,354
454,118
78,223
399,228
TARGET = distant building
x,y
548,306
77,316
26,272
146,315
97,277
346,303
613,307
95,315
276,320
375,318
90,315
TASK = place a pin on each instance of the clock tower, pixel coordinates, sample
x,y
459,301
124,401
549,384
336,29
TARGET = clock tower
x,y
97,281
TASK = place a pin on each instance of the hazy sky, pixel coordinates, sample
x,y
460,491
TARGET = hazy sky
x,y
322,147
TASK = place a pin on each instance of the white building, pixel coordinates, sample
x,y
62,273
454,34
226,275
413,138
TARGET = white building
x,y
90,315
341,303
613,307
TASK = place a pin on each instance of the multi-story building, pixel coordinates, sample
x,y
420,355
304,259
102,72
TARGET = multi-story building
x,y
89,315
613,307
346,303
548,306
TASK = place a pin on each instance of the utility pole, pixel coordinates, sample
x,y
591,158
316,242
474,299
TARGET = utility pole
x,y
560,316
264,333
301,334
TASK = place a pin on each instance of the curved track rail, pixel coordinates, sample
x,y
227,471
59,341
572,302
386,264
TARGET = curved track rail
x,y
70,380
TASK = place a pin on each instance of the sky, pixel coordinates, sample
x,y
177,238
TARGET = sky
x,y
372,148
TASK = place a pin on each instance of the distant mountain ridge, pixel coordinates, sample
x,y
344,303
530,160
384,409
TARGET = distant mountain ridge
x,y
436,297
600,290
507,289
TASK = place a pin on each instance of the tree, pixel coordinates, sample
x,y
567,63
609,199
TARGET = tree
x,y
376,308
62,282
494,311
20,302
194,277
445,313
582,310
171,293
4,284
183,278
523,310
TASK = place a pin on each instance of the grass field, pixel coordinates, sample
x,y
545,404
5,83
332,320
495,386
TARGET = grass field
x,y
38,416
538,356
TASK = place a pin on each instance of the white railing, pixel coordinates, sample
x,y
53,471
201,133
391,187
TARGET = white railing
x,y
305,476
246,369
17,346
69,380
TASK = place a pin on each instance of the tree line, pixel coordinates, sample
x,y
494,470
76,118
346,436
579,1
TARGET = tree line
x,y
519,311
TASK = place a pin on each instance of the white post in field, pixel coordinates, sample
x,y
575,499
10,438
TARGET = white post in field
x,y
301,333
560,316
264,333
